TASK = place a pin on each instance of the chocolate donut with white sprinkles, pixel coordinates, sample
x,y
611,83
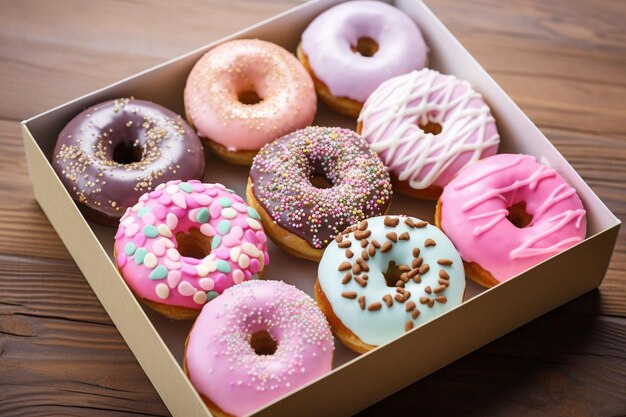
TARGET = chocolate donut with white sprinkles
x,y
112,153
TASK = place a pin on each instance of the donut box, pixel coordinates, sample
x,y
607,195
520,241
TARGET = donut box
x,y
484,316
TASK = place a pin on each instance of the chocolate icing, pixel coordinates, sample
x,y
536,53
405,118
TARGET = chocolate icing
x,y
281,177
112,153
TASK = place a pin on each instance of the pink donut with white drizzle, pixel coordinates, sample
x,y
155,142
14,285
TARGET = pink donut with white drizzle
x,y
507,213
352,48
184,243
255,343
245,93
426,127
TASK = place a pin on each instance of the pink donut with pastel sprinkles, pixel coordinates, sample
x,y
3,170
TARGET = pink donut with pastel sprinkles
x,y
184,243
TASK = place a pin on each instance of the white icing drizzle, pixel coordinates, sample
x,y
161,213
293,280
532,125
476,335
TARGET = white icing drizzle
x,y
395,109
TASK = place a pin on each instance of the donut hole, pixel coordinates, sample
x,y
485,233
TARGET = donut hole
x,y
392,275
321,181
431,127
518,215
194,244
365,46
263,343
249,97
126,153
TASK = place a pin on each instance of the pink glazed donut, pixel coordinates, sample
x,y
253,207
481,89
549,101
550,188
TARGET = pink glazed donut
x,y
245,93
255,343
184,243
350,49
507,213
426,127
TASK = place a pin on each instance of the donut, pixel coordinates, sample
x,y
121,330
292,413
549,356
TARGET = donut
x,y
311,184
386,276
508,213
184,243
245,93
350,49
255,343
113,152
426,127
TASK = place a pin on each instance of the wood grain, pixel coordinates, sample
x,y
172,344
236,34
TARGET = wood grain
x,y
562,61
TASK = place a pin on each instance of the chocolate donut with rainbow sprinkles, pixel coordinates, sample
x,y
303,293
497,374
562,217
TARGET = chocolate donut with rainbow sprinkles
x,y
310,185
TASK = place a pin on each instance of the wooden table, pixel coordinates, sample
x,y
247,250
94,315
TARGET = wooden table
x,y
562,61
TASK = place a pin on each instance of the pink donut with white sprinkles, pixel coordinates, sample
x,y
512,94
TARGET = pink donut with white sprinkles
x,y
257,342
184,243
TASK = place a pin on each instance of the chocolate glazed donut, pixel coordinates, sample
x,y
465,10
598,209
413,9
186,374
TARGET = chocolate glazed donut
x,y
112,153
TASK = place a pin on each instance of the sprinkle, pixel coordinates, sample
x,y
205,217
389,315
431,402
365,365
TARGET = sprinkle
x,y
408,326
244,261
362,302
415,313
424,300
131,230
444,261
186,188
199,297
210,295
238,276
409,306
130,248
173,254
391,222
424,268
162,291
349,294
253,213
234,253
150,260
173,278
229,213
344,266
223,227
253,223
207,284
360,281
143,211
150,231
225,202
428,290
179,200
409,222
216,242
171,220
392,236
374,306
441,299
404,236
386,247
420,224
345,244
140,254
171,189
160,272
202,270
429,242
186,289
346,278
416,252
362,234
417,262
203,215
207,230
164,230
439,289
388,300
121,259
223,266
349,253
444,275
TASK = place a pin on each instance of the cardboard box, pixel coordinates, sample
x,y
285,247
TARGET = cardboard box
x,y
356,381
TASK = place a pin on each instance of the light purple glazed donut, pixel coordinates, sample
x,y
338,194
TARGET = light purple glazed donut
x,y
333,54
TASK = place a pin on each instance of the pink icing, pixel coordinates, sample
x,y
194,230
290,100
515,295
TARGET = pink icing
x,y
223,365
391,116
328,40
149,229
475,209
211,94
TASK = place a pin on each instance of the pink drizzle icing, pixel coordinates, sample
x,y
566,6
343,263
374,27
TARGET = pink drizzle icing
x,y
475,209
327,43
222,364
146,245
